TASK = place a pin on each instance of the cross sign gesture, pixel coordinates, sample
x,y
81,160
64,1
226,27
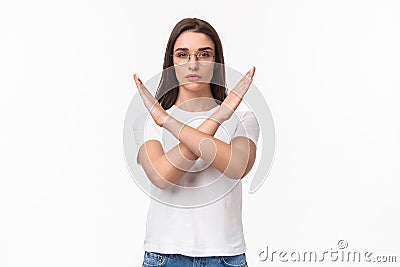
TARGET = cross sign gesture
x,y
224,112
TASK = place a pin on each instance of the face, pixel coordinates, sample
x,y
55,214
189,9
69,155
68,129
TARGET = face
x,y
197,72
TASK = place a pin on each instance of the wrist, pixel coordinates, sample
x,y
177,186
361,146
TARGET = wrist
x,y
223,113
167,120
173,126
218,116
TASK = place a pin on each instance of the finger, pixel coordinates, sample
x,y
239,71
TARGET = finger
x,y
241,89
146,96
244,83
249,75
251,72
138,82
142,89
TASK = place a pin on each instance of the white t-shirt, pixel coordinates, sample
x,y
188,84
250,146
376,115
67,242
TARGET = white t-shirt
x,y
213,229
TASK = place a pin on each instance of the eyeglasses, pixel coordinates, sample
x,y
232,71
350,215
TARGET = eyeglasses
x,y
204,58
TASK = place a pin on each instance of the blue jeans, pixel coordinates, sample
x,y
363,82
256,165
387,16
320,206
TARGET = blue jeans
x,y
153,259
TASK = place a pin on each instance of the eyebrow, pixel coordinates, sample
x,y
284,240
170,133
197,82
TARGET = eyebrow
x,y
200,49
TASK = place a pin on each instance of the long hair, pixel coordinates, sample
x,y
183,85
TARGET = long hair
x,y
168,78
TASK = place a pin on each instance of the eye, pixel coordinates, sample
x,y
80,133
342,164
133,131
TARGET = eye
x,y
205,54
182,54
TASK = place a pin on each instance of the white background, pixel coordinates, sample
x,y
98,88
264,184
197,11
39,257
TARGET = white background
x,y
329,71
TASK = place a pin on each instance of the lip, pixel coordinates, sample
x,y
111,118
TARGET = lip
x,y
192,77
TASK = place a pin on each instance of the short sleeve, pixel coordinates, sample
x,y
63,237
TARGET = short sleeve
x,y
248,127
145,129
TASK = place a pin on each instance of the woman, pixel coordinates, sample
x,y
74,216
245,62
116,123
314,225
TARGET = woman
x,y
210,235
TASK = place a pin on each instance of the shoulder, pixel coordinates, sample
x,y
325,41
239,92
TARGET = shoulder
x,y
247,125
246,115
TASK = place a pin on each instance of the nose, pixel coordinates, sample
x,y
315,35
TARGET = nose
x,y
193,63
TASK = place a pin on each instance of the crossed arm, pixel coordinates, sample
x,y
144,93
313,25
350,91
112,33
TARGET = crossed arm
x,y
165,169
235,159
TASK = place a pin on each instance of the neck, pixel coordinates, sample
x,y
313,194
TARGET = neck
x,y
195,100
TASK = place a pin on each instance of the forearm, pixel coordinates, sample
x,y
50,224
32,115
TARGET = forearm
x,y
209,127
179,159
226,158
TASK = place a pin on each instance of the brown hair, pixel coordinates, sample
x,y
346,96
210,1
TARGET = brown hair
x,y
169,83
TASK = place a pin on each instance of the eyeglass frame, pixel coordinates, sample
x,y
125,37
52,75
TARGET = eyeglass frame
x,y
197,59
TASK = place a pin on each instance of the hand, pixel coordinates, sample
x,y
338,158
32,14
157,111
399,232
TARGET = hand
x,y
153,106
235,96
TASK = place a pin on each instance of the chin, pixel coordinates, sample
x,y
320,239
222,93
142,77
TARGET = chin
x,y
194,86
